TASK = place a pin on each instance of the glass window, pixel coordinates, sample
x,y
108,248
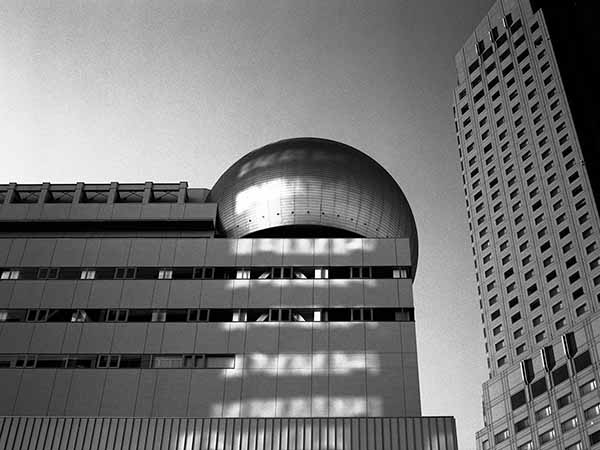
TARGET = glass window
x,y
569,424
547,436
165,274
588,387
541,413
591,414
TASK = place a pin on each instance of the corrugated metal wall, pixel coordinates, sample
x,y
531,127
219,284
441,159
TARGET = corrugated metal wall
x,y
110,433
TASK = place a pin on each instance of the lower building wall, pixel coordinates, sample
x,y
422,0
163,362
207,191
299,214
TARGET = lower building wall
x,y
128,433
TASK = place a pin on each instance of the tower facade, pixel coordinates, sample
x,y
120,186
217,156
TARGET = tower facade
x,y
523,115
273,311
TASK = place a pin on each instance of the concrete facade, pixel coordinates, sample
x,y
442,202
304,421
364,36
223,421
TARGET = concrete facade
x,y
127,301
526,158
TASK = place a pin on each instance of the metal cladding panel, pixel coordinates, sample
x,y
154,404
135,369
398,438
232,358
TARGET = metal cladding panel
x,y
126,433
316,182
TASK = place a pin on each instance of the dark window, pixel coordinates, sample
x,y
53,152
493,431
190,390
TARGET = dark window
x,y
81,361
524,54
519,399
473,67
147,273
522,424
582,361
123,273
538,388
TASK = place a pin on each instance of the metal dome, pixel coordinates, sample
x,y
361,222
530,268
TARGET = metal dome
x,y
311,187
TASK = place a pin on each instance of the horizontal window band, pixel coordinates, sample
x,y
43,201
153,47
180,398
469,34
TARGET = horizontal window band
x,y
205,273
117,361
99,226
138,315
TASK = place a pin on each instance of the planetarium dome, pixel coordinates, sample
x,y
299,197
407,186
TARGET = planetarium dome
x,y
311,187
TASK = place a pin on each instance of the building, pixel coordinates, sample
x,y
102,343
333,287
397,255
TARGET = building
x,y
274,311
527,144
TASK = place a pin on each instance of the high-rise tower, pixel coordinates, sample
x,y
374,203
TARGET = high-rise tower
x,y
274,311
526,124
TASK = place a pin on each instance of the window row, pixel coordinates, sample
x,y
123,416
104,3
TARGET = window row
x,y
557,375
207,273
210,315
117,361
591,415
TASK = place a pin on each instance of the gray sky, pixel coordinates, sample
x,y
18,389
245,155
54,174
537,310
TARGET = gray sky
x,y
132,91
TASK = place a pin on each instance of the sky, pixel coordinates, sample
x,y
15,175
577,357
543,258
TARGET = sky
x,y
169,91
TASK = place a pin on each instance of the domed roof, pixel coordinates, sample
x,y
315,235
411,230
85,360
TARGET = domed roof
x,y
311,187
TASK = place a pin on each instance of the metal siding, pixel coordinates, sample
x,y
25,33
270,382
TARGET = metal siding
x,y
5,432
19,435
326,184
74,433
32,433
69,440
148,440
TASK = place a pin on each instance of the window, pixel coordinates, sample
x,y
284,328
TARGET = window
x,y
595,437
242,274
522,424
79,316
399,273
321,273
201,315
88,274
125,273
582,361
526,446
544,412
588,387
591,414
519,331
167,362
538,387
220,361
116,315
581,310
108,361
540,337
165,274
159,316
547,436
37,315
501,437
565,400
48,273
9,275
